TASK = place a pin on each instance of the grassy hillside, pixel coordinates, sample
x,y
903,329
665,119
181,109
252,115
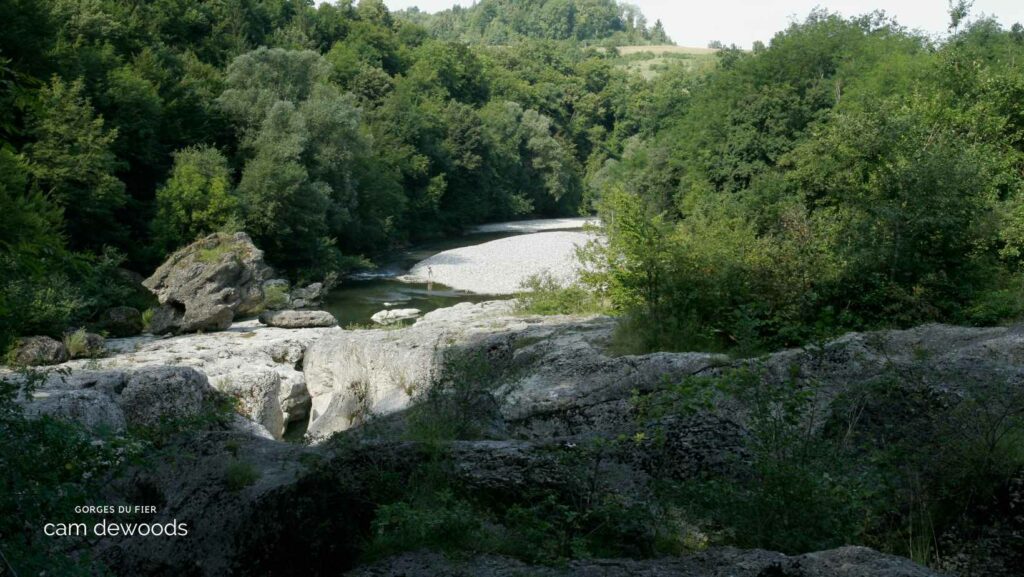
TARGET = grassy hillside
x,y
650,61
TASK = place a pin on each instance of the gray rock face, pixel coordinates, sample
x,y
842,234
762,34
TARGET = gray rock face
x,y
353,375
310,296
120,322
92,408
38,351
724,562
163,393
558,379
204,285
259,397
114,399
249,361
298,319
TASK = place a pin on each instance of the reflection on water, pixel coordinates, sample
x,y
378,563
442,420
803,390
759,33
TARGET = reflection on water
x,y
363,294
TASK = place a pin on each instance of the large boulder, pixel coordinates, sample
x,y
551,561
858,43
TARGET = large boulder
x,y
38,351
204,285
298,319
120,322
112,399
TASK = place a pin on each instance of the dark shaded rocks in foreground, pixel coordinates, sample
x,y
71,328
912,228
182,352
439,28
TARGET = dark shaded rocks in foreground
x,y
724,562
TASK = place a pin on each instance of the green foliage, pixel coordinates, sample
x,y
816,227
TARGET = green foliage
x,y
845,177
275,297
197,200
76,343
892,466
442,523
456,404
239,474
546,296
798,492
503,22
71,161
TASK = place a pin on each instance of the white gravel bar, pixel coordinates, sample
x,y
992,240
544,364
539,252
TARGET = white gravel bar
x,y
540,225
501,267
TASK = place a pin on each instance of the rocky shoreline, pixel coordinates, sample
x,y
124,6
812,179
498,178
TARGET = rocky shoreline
x,y
550,382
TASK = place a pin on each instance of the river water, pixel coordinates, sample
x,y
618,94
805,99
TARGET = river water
x,y
360,296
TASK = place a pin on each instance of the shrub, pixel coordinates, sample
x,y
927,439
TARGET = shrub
x,y
543,295
77,343
240,474
275,297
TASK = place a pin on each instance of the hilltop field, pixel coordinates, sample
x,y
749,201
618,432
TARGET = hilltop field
x,y
650,61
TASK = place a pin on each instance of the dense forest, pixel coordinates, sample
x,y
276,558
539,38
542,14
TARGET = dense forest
x,y
329,133
849,175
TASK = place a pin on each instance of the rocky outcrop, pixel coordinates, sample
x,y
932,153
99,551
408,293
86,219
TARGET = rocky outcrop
x,y
121,322
204,285
309,296
260,366
38,351
725,562
114,399
298,319
353,375
259,397
95,409
553,375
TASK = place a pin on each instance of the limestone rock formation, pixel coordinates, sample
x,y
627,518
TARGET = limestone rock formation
x,y
204,285
254,363
309,296
163,393
298,319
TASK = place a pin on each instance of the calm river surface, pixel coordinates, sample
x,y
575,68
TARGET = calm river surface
x,y
358,297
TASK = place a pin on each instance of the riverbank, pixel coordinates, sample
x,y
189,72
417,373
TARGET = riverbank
x,y
501,267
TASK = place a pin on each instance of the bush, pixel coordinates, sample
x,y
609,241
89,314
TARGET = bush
x,y
77,343
543,295
239,474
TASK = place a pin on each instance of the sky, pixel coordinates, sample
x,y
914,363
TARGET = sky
x,y
691,23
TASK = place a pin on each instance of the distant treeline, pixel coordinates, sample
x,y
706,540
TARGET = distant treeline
x,y
604,22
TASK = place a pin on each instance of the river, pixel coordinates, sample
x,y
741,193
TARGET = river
x,y
359,296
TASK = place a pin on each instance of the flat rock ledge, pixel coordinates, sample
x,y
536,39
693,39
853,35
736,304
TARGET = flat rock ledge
x,y
261,366
298,319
